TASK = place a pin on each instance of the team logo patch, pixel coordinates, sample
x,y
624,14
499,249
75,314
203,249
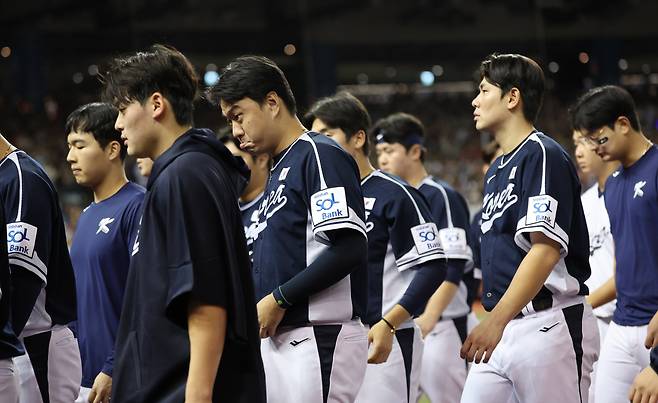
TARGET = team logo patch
x,y
21,238
638,192
426,237
453,240
512,174
329,204
541,209
103,225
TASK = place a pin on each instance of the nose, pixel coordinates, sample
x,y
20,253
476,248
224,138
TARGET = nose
x,y
118,124
579,151
70,156
238,131
474,102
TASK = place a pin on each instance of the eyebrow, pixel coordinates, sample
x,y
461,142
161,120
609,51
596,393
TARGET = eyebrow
x,y
77,141
229,114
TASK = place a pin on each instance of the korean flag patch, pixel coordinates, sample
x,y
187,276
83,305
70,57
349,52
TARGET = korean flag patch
x,y
426,238
541,209
329,204
21,238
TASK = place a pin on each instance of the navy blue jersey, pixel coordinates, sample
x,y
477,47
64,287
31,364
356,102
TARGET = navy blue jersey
x,y
474,279
313,189
249,212
654,359
401,236
534,188
190,249
631,198
36,240
100,253
451,216
9,344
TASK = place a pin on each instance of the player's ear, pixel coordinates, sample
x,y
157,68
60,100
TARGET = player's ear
x,y
415,152
113,150
157,105
359,139
272,104
622,125
513,98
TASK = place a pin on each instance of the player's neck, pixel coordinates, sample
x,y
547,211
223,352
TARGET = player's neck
x,y
111,184
291,128
639,145
512,132
166,139
606,170
416,174
363,162
5,147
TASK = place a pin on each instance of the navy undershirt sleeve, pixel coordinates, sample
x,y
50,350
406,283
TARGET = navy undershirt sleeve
x,y
455,270
347,252
428,278
26,287
654,359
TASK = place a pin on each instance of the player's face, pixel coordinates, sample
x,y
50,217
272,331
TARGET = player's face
x,y
89,162
588,161
144,165
393,158
248,158
489,107
337,135
137,128
250,124
609,143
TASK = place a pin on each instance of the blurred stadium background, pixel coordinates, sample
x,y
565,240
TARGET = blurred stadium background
x,y
416,56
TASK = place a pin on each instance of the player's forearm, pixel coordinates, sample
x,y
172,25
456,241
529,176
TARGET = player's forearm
x,y
604,294
528,280
441,299
348,252
207,332
397,315
426,281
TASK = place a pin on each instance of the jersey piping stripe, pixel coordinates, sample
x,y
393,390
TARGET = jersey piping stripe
x,y
251,203
381,175
535,138
305,137
13,157
429,181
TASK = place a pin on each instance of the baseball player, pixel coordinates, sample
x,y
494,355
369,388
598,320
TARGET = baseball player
x,y
405,260
447,318
103,240
43,283
606,116
310,252
601,245
252,196
540,340
188,328
10,346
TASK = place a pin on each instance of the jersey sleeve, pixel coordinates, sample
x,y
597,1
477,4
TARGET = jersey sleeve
x,y
452,220
333,191
654,359
195,252
413,235
29,224
547,198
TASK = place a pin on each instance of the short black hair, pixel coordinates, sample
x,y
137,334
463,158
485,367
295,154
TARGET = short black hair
x,y
252,77
516,71
342,111
401,128
160,69
601,106
97,119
